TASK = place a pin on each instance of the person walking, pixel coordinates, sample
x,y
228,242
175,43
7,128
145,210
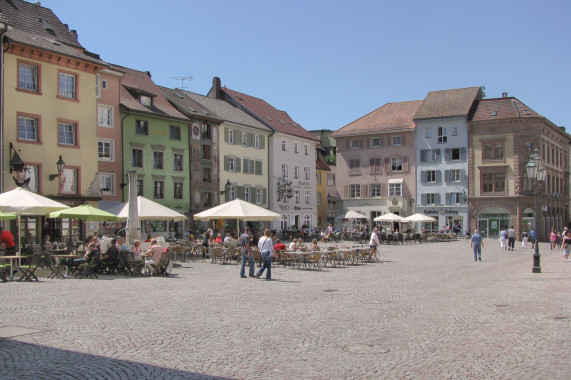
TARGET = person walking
x,y
266,247
566,246
511,238
503,238
553,238
532,237
477,243
373,244
524,238
246,253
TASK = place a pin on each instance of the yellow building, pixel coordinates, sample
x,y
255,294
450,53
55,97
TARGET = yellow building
x,y
321,169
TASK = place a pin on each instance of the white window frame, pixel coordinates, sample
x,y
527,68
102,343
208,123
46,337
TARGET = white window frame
x,y
431,176
26,128
231,136
257,143
306,149
307,197
178,186
73,131
356,144
33,173
428,133
297,196
442,135
318,178
430,199
296,172
159,189
455,175
67,85
284,145
375,190
307,172
454,131
106,180
355,166
148,102
395,189
396,140
247,193
104,116
69,181
232,164
375,142
394,164
29,80
111,149
354,191
296,147
454,198
244,139
285,173
330,179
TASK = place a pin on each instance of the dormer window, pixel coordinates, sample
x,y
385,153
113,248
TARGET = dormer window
x,y
146,100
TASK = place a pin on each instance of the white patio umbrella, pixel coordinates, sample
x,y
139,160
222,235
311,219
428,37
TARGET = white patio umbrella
x,y
239,210
23,202
390,217
149,210
352,214
418,218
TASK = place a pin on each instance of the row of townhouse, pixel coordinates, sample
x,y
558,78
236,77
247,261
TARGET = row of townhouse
x,y
459,158
73,125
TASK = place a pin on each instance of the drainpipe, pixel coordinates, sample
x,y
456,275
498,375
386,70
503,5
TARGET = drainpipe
x,y
123,154
3,28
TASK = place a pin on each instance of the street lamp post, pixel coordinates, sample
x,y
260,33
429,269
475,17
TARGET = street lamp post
x,y
536,172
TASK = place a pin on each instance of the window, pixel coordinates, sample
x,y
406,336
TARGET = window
x,y
318,178
231,136
106,184
453,198
232,164
306,149
137,158
296,172
284,146
158,160
159,189
430,198
493,182
395,189
455,175
430,155
431,176
140,186
104,116
177,162
206,152
455,154
355,191
28,77
142,127
246,193
307,197
257,143
396,141
355,144
27,128
174,132
375,189
442,137
146,100
284,170
67,85
69,181
244,139
259,196
33,173
178,193
319,199
258,167
104,84
454,131
307,173
355,166
105,150
66,133
297,196
330,179
428,133
296,148
396,164
375,166
375,142
206,175
494,151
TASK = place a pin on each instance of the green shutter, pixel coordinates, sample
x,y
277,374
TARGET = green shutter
x,y
238,135
259,167
240,192
226,163
226,135
238,165
262,141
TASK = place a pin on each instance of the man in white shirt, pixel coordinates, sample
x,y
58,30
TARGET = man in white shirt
x,y
266,246
373,243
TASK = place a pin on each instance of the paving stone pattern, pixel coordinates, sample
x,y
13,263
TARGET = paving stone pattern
x,y
428,311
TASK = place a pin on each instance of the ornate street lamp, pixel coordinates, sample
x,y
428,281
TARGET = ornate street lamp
x,y
536,171
60,166
226,190
284,188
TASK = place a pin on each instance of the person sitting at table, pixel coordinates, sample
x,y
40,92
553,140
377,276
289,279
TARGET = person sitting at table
x,y
314,246
110,257
323,236
206,242
7,242
137,250
300,244
227,238
91,251
292,246
122,245
218,238
279,246
154,254
47,244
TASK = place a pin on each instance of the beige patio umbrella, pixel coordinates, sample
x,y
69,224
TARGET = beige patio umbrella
x,y
149,210
418,218
390,217
24,202
239,210
352,214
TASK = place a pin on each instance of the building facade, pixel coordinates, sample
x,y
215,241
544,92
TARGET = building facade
x,y
442,157
375,162
503,134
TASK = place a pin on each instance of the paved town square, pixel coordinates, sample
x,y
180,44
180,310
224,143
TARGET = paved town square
x,y
428,311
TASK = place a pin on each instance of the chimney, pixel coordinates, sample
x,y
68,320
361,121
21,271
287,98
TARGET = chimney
x,y
148,73
504,94
38,3
216,88
74,33
562,128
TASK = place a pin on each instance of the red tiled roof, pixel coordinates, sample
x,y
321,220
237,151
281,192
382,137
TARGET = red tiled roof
x,y
448,103
502,108
390,117
320,164
141,82
279,120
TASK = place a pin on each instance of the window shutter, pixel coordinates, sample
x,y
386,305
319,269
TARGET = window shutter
x,y
438,156
264,195
226,135
245,165
363,191
446,176
423,199
381,141
403,140
448,198
405,164
251,139
226,159
238,169
371,166
387,165
463,176
240,192
346,191
438,176
259,168
423,155
463,154
447,154
262,142
238,137
462,200
437,199
423,177
348,143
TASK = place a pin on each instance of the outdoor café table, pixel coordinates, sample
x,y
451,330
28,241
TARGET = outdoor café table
x,y
300,256
12,258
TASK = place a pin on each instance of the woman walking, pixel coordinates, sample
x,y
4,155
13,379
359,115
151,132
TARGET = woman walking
x,y
266,247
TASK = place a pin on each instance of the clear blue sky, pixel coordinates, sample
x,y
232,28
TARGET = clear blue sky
x,y
329,62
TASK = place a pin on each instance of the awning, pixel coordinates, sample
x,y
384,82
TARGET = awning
x,y
395,180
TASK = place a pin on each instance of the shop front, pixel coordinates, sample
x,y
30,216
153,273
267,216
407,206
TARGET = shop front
x,y
446,217
492,220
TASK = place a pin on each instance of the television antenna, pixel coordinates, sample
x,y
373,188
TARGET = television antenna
x,y
182,79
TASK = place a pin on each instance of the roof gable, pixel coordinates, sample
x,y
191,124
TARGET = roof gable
x,y
448,103
186,105
502,108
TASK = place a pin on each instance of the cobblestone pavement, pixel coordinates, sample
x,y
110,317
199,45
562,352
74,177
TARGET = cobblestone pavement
x,y
428,311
